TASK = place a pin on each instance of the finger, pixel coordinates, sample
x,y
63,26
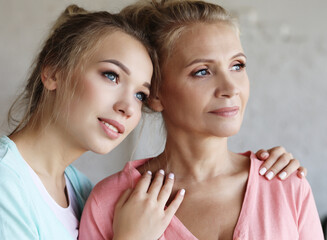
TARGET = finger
x,y
274,155
292,166
283,161
156,184
166,189
123,198
143,184
302,172
174,205
262,154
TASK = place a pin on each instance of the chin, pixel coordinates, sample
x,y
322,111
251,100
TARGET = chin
x,y
102,150
228,131
103,147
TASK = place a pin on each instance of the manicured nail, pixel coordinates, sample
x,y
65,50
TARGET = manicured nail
x,y
171,176
262,171
282,175
302,174
182,192
264,155
149,172
270,175
162,172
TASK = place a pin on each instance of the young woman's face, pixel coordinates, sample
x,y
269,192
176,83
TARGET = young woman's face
x,y
205,85
109,96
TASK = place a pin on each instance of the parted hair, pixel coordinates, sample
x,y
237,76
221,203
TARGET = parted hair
x,y
165,20
72,40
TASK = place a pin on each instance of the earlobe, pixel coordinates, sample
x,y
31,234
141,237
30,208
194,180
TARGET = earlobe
x,y
155,104
48,79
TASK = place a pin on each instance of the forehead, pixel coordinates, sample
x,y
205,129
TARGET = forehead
x,y
120,44
209,39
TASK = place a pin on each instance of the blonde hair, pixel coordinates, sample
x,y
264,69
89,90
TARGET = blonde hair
x,y
73,39
165,20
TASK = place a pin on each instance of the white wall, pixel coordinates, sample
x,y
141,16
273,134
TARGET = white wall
x,y
286,45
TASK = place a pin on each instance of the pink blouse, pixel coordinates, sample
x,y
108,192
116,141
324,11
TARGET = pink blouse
x,y
271,209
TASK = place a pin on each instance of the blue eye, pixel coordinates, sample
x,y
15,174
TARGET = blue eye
x,y
238,67
141,96
111,76
202,72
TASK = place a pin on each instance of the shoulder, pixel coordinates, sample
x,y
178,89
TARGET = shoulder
x,y
107,192
10,165
111,187
5,154
293,186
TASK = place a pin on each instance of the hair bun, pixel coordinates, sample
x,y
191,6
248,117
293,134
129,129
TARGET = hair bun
x,y
73,9
69,12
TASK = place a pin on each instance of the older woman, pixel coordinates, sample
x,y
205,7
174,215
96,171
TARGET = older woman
x,y
202,98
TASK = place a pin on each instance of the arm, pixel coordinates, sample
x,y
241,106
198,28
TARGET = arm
x,y
279,162
141,214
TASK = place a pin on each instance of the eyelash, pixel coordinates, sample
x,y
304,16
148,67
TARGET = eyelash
x,y
116,76
144,98
203,70
239,65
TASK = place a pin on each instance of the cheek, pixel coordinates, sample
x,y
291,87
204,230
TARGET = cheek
x,y
245,91
134,121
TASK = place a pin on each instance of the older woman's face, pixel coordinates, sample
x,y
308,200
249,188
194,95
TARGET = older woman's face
x,y
205,85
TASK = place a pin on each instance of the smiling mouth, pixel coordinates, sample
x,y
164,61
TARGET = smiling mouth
x,y
111,127
226,112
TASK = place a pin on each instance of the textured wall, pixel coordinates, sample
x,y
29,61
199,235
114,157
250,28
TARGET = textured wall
x,y
286,46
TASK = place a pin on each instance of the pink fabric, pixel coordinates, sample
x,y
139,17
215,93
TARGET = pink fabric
x,y
271,209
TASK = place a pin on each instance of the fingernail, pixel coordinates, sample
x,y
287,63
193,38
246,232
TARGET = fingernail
x,y
264,155
149,172
262,171
302,174
182,192
270,175
171,176
282,175
162,172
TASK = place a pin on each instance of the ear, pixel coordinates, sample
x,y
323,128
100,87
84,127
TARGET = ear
x,y
155,104
49,79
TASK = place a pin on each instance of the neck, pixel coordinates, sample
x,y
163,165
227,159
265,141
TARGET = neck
x,y
46,151
196,158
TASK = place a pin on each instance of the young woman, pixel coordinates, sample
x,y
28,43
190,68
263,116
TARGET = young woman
x,y
202,98
85,93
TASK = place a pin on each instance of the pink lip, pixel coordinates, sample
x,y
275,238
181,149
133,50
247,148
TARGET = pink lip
x,y
112,134
226,111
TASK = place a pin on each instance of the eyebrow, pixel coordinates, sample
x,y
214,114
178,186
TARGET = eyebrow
x,y
147,85
125,69
211,60
119,64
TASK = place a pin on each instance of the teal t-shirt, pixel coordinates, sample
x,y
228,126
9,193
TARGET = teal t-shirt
x,y
23,212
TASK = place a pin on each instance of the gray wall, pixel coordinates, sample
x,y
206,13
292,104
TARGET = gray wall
x,y
286,45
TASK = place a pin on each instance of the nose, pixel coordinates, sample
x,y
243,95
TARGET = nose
x,y
124,106
226,86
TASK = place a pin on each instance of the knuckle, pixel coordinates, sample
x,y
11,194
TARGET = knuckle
x,y
165,190
281,149
295,162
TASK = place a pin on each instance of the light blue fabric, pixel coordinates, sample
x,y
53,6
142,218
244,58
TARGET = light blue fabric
x,y
23,212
